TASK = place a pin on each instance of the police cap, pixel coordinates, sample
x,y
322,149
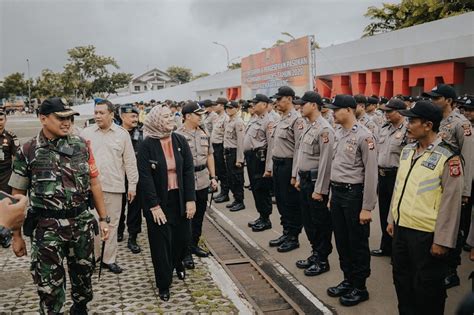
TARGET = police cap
x,y
192,107
232,104
342,101
57,106
309,97
284,91
128,108
441,90
394,104
425,110
261,98
221,100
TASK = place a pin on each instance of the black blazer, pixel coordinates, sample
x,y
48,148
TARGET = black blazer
x,y
153,180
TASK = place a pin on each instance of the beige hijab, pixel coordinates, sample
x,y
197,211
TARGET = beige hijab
x,y
155,125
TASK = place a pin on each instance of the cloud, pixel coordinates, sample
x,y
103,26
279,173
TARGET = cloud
x,y
143,34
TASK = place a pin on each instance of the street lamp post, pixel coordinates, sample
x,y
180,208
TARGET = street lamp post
x,y
226,51
29,83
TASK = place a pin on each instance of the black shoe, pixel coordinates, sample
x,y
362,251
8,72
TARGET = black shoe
x,y
113,267
119,238
354,297
341,289
198,251
78,309
466,248
308,262
230,205
278,241
263,225
237,207
132,244
7,242
317,269
221,198
165,294
379,253
188,262
180,271
452,281
252,223
289,244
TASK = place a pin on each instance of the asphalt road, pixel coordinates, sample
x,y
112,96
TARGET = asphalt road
x,y
380,284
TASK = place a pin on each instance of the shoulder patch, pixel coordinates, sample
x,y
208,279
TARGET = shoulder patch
x,y
325,137
300,124
370,143
454,167
467,129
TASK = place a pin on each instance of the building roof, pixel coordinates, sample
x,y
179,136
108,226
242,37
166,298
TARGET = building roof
x,y
445,39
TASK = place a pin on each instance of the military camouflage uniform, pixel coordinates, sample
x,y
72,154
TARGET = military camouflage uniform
x,y
57,175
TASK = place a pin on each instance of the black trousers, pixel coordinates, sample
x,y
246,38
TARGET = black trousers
x,y
454,256
417,275
196,222
134,216
221,169
235,175
352,238
385,192
260,185
287,197
168,242
316,218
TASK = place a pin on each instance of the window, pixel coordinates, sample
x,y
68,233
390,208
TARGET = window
x,y
137,88
222,92
145,87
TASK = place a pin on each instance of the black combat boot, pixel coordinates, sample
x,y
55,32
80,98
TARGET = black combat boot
x,y
132,244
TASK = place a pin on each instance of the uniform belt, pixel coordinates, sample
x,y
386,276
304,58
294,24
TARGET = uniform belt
x,y
386,171
200,168
63,214
345,186
229,150
282,160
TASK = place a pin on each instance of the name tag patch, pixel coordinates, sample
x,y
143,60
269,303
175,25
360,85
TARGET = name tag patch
x,y
432,161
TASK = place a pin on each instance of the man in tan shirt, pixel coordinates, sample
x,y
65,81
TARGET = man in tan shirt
x,y
115,158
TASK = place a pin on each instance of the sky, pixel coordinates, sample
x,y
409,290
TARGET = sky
x,y
144,34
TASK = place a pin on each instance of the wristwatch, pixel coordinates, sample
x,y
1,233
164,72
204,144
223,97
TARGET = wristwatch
x,y
5,235
106,219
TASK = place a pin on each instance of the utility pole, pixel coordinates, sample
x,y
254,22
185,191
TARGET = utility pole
x,y
29,83
226,51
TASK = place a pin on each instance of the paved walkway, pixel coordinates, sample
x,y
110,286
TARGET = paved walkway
x,y
133,291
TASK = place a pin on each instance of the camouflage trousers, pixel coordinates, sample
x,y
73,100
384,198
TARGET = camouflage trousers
x,y
53,241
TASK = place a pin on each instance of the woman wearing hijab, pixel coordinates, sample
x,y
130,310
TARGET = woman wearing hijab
x,y
166,169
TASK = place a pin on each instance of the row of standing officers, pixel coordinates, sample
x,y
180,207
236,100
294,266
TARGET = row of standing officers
x,y
329,177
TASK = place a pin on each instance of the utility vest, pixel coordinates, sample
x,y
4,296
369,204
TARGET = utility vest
x,y
417,194
60,175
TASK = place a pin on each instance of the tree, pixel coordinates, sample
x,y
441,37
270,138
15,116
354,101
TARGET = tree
x,y
49,84
392,17
180,74
85,67
15,85
235,65
200,75
110,83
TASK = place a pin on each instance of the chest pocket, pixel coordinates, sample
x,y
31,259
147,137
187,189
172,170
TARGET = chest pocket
x,y
283,131
204,146
44,173
253,132
310,143
81,173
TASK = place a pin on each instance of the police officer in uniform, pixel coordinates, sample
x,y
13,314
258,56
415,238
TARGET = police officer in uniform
x,y
9,144
209,116
315,153
234,155
217,140
327,113
281,159
456,130
203,160
392,138
362,117
255,146
60,223
425,213
129,119
353,197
